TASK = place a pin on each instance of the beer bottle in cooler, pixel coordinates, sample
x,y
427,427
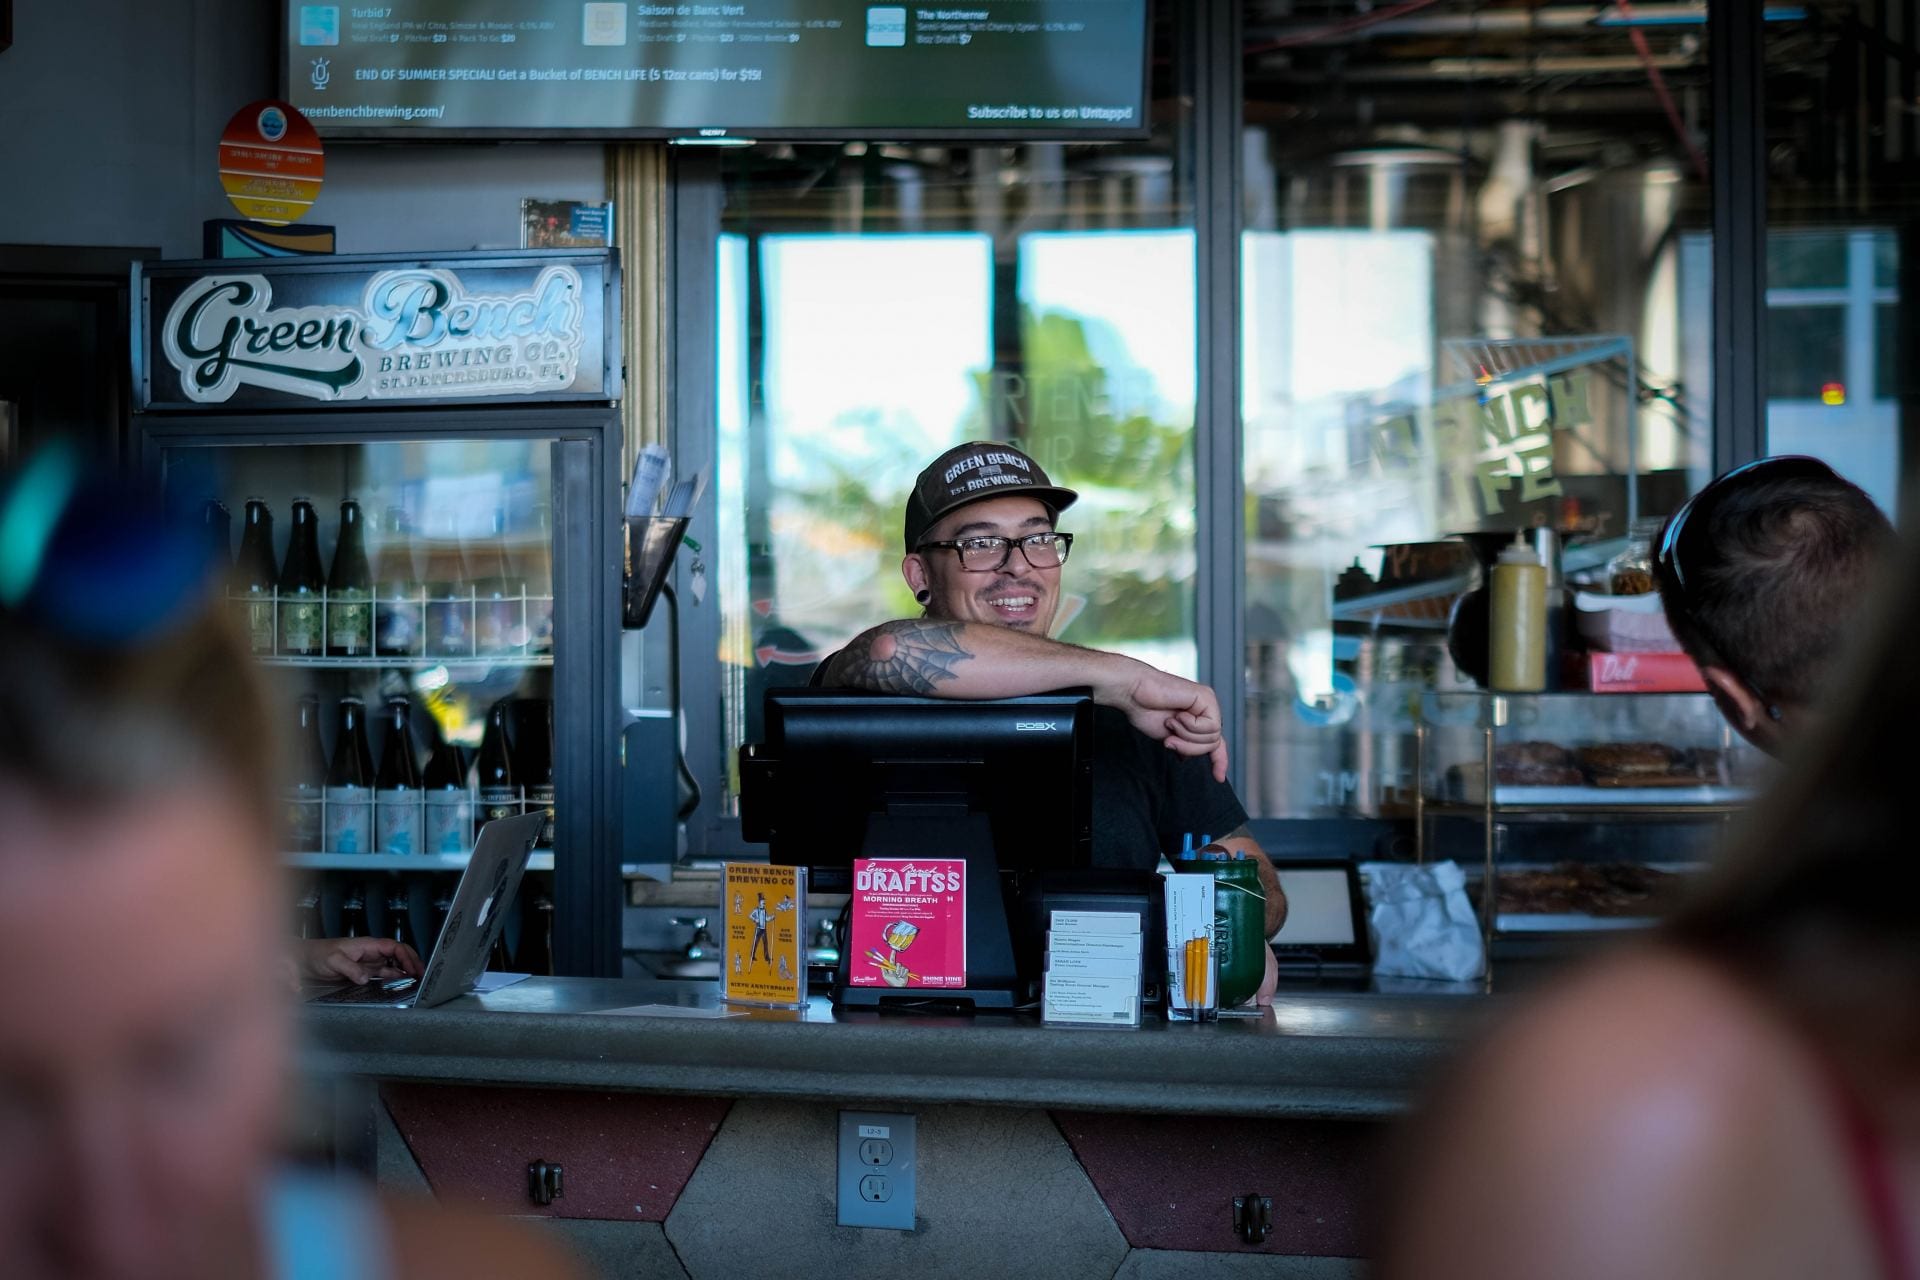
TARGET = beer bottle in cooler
x,y
350,783
399,925
307,782
350,589
449,593
498,595
307,916
254,578
303,587
217,523
499,790
533,762
399,818
449,804
353,915
442,905
398,618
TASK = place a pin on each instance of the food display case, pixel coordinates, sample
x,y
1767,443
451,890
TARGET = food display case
x,y
1525,773
411,466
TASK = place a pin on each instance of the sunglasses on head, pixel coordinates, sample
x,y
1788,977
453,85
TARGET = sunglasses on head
x,y
1671,559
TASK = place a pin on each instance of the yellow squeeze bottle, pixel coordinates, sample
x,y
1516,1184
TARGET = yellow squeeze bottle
x,y
1518,621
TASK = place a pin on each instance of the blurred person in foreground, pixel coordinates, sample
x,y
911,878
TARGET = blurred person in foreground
x,y
1740,1096
1762,575
145,1036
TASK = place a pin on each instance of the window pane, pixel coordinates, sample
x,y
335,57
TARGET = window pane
x,y
1807,260
1476,297
880,303
1890,375
1806,351
1842,146
1886,260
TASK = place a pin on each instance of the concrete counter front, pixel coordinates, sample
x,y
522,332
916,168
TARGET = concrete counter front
x,y
1345,1055
690,1143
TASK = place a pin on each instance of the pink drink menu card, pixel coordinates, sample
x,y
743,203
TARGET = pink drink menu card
x,y
909,924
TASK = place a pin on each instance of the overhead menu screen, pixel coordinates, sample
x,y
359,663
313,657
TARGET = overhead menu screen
x,y
1018,69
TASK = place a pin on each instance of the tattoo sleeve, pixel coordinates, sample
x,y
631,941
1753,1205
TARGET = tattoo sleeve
x,y
925,654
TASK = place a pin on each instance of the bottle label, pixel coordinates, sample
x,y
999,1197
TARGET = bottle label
x,y
303,819
541,797
449,822
256,615
398,821
396,626
300,624
349,820
499,802
349,622
450,627
501,630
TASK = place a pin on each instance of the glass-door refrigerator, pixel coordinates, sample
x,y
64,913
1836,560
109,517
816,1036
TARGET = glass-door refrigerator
x,y
412,465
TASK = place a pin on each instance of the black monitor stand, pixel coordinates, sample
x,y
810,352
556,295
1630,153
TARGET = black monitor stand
x,y
994,984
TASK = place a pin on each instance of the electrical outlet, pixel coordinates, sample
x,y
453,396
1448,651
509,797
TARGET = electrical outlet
x,y
877,1161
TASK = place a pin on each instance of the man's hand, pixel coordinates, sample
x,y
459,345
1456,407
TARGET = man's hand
x,y
1183,715
359,960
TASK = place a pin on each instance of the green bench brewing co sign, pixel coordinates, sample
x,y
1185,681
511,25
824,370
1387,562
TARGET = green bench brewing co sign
x,y
357,330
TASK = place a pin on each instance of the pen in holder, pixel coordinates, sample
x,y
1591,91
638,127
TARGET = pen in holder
x,y
651,542
1193,961
1193,995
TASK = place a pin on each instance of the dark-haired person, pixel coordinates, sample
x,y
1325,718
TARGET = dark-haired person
x,y
144,1037
1763,574
1741,1096
984,560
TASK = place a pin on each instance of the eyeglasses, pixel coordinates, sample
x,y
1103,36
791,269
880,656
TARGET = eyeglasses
x,y
1670,563
990,554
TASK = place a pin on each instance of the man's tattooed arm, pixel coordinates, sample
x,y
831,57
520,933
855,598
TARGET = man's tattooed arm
x,y
914,655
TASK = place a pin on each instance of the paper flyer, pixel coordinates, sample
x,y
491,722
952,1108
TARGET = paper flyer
x,y
763,908
909,923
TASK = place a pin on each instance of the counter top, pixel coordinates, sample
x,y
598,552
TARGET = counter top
x,y
1318,1053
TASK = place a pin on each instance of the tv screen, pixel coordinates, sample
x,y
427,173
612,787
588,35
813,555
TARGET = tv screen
x,y
1028,70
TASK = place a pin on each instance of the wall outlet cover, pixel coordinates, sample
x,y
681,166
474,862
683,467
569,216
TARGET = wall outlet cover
x,y
877,1169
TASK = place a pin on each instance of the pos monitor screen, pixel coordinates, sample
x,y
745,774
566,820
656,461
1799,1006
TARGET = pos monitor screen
x,y
1007,784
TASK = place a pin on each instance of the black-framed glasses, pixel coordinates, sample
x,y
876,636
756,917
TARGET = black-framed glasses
x,y
1670,560
989,554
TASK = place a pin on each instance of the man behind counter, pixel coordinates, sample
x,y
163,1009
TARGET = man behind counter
x,y
984,559
1762,575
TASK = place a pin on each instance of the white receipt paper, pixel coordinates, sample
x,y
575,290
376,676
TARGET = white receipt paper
x,y
490,981
669,1011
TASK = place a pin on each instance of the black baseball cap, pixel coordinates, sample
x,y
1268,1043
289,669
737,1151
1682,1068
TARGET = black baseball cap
x,y
974,472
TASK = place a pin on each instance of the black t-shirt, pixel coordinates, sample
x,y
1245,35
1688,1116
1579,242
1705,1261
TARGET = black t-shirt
x,y
1146,798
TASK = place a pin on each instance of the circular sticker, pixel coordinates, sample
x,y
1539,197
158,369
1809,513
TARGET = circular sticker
x,y
271,162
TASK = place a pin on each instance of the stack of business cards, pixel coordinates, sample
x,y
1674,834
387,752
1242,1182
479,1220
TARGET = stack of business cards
x,y
1093,968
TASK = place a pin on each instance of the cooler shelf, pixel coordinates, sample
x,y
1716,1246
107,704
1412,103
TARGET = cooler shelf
x,y
415,664
539,860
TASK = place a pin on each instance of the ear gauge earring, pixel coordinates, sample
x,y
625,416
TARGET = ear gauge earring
x,y
923,596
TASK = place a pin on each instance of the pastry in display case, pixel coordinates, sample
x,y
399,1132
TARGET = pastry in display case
x,y
1577,781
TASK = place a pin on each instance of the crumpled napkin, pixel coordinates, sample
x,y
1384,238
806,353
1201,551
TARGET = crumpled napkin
x,y
1421,923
